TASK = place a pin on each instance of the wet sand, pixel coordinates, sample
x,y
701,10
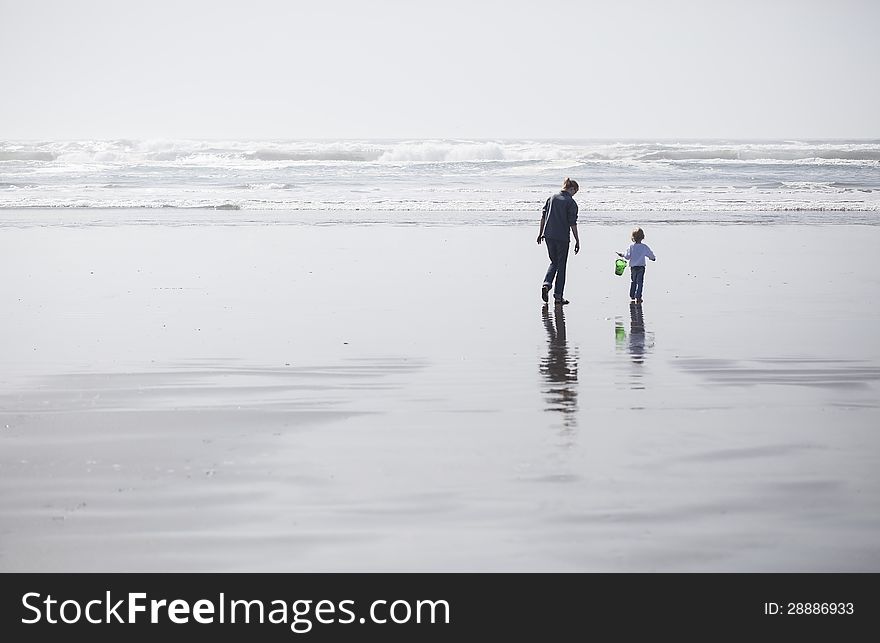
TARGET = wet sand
x,y
381,398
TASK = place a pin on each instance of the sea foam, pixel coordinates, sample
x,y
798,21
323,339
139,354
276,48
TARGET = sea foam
x,y
442,175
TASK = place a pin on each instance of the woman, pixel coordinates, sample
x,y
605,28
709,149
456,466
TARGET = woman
x,y
558,217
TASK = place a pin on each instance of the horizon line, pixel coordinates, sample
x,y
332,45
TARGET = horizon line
x,y
555,139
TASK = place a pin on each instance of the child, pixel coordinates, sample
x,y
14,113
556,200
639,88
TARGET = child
x,y
636,255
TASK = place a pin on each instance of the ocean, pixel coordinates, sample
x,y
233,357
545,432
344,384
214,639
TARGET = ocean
x,y
443,180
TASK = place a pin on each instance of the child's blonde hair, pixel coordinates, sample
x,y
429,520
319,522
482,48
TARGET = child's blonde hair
x,y
569,184
638,235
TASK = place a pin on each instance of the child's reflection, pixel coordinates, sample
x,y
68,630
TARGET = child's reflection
x,y
559,368
638,344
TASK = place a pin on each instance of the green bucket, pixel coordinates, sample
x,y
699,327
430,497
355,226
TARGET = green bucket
x,y
619,266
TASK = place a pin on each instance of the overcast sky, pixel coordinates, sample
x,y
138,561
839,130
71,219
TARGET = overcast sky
x,y
447,68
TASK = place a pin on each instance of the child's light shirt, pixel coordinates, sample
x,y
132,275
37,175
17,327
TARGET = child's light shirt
x,y
637,252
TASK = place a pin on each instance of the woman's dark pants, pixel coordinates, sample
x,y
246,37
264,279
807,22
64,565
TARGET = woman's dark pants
x,y
558,251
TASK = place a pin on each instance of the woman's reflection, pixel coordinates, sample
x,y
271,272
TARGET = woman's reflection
x,y
559,368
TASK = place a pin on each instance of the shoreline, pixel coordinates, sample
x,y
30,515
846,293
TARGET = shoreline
x,y
84,217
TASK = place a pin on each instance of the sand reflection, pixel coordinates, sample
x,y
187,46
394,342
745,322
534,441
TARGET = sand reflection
x,y
559,368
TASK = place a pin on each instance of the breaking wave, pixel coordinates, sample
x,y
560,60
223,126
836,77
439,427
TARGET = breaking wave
x,y
135,152
442,175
